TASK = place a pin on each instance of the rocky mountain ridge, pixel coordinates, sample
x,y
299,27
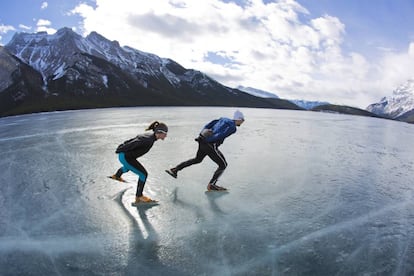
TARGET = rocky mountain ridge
x,y
77,72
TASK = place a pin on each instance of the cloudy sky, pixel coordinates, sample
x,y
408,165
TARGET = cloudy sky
x,y
350,52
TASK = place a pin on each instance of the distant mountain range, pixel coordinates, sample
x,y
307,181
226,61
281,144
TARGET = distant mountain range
x,y
341,109
400,106
42,72
265,94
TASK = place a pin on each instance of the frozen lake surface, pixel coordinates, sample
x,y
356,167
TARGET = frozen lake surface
x,y
310,194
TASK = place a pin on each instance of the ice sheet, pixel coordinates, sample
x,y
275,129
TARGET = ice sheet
x,y
310,193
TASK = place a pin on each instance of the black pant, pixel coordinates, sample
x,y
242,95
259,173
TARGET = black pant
x,y
212,151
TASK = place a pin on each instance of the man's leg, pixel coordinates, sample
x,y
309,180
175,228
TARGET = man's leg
x,y
201,153
218,157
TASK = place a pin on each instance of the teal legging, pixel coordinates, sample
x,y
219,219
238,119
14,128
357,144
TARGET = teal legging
x,y
136,168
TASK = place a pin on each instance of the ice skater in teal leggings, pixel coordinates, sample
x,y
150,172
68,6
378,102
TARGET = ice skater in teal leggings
x,y
130,150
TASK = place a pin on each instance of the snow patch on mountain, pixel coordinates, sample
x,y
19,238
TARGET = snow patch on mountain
x,y
401,101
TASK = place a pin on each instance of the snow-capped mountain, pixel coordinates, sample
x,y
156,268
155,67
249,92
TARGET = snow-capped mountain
x,y
257,92
66,53
400,103
308,104
87,72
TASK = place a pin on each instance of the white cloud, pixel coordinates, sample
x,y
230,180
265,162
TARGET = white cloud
x,y
44,5
43,22
397,67
330,29
411,49
6,28
270,46
43,25
21,26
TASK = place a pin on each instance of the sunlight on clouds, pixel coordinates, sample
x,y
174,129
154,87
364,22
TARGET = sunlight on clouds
x,y
397,68
43,26
44,5
6,28
43,22
24,27
330,28
268,46
411,49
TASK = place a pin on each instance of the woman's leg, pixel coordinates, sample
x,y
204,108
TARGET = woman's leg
x,y
123,169
137,168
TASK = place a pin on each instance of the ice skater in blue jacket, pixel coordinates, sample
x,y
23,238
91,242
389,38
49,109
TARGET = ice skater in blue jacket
x,y
209,139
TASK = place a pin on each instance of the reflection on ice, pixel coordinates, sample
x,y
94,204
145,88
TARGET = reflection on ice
x,y
138,214
310,193
53,246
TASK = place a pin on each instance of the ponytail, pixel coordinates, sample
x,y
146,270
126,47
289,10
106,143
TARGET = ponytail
x,y
158,127
152,126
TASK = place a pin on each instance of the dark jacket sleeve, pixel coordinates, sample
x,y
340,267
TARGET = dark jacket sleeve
x,y
140,143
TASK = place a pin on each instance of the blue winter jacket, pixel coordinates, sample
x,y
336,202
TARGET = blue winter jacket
x,y
221,129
